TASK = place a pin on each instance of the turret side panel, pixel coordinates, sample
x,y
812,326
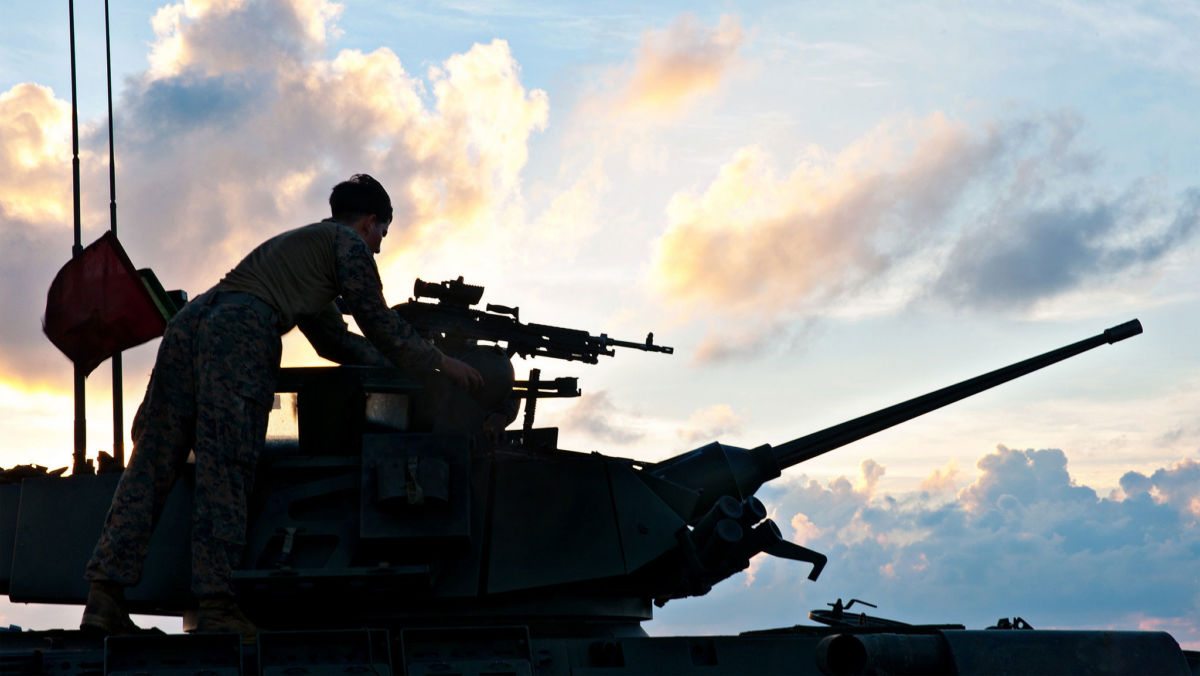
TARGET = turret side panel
x,y
415,486
553,523
58,522
648,525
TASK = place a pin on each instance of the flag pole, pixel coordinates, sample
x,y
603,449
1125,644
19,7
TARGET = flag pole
x,y
117,385
80,459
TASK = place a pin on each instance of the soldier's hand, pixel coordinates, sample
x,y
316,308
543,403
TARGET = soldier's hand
x,y
463,374
493,426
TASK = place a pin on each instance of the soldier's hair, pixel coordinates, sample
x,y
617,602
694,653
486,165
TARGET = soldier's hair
x,y
358,197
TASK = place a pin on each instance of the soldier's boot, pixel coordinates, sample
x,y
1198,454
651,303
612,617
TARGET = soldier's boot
x,y
221,614
105,611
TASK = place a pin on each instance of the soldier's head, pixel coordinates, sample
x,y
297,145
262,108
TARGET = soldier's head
x,y
364,205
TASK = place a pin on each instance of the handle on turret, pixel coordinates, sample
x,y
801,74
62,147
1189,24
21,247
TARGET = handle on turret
x,y
818,443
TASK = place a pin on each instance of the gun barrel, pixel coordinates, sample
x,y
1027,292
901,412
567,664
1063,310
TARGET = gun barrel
x,y
647,346
830,438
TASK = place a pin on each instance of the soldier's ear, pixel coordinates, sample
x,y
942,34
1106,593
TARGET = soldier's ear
x,y
362,224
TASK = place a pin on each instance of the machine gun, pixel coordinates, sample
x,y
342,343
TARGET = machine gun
x,y
452,320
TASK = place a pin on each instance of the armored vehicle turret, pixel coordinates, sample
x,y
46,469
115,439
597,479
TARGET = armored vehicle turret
x,y
393,532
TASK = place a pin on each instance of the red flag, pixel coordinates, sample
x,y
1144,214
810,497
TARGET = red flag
x,y
98,306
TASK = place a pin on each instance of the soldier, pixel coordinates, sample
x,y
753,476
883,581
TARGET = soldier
x,y
213,385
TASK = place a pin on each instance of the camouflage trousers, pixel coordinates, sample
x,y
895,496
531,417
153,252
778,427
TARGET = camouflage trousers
x,y
210,393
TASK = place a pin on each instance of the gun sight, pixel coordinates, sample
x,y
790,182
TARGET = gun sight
x,y
451,292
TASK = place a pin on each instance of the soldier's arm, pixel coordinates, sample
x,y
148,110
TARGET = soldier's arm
x,y
363,294
333,340
395,338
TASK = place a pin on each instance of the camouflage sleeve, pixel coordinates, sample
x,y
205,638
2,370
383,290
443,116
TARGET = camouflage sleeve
x,y
509,408
332,339
363,293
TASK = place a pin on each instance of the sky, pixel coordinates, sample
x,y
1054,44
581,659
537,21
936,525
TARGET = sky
x,y
825,208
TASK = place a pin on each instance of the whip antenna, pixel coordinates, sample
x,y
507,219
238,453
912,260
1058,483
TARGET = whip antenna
x,y
80,460
117,385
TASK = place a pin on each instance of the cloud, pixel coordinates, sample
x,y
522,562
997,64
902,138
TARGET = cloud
x,y
220,36
683,62
872,472
1179,484
741,340
710,423
616,128
1158,38
941,479
35,222
29,258
803,529
1041,251
227,140
1025,477
35,137
931,211
597,416
572,214
756,242
1023,539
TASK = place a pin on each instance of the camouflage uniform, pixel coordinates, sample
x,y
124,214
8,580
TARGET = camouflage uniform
x,y
211,391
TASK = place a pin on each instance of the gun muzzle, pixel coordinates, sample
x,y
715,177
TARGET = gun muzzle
x,y
1122,331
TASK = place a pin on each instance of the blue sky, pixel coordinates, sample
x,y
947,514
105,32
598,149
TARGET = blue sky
x,y
825,208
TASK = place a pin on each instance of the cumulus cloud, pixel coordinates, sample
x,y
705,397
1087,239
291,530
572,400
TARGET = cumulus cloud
x,y
933,211
1012,479
1023,539
221,36
35,137
803,529
35,221
941,479
1177,484
872,472
237,133
683,62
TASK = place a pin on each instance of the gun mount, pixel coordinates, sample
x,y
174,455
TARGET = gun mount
x,y
372,521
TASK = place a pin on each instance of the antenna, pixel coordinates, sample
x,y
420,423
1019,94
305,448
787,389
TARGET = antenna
x,y
80,461
117,385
